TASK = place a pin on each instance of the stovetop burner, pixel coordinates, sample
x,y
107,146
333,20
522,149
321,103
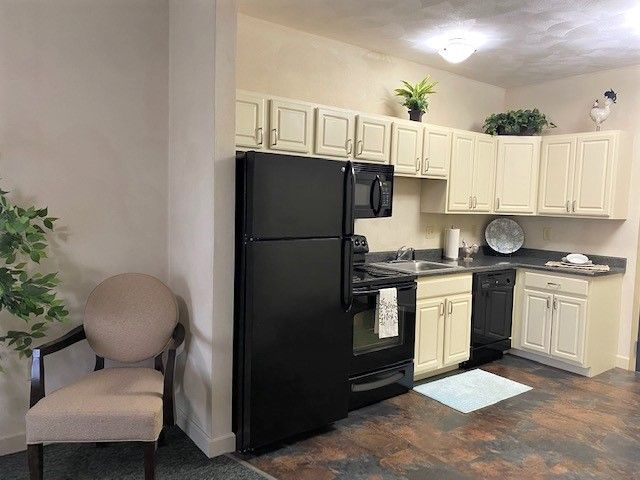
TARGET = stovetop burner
x,y
366,275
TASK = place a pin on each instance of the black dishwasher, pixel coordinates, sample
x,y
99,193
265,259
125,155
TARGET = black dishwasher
x,y
491,316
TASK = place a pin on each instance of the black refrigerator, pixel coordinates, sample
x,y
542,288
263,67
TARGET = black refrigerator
x,y
293,329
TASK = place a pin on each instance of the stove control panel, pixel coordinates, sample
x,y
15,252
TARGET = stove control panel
x,y
360,244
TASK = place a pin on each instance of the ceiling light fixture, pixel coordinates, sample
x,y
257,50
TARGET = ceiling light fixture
x,y
457,50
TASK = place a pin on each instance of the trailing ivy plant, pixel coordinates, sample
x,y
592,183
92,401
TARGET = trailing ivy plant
x,y
25,292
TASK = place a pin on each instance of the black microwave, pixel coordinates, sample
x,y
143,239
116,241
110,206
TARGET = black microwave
x,y
373,190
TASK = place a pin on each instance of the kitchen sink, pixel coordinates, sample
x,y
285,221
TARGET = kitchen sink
x,y
412,266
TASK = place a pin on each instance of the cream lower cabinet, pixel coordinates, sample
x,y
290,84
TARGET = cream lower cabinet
x,y
443,322
517,167
567,321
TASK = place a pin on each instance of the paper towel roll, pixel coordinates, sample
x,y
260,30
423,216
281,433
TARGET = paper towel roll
x,y
452,243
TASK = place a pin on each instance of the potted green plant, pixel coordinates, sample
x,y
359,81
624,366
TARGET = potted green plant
x,y
517,122
415,97
24,292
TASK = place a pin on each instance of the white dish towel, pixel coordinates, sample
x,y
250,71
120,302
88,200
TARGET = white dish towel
x,y
386,324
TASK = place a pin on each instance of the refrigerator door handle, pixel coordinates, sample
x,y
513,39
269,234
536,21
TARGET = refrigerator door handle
x,y
349,199
346,283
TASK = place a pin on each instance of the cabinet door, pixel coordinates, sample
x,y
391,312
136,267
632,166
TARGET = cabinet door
x,y
429,334
373,139
406,147
461,177
457,329
290,126
436,152
536,321
484,171
556,175
517,174
593,174
249,120
568,328
334,132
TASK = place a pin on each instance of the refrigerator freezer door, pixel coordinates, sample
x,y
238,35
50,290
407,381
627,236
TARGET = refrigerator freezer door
x,y
293,197
297,339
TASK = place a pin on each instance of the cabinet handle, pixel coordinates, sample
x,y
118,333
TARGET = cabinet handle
x,y
361,145
441,308
426,161
470,202
573,206
349,146
548,303
497,203
275,136
553,285
555,303
450,307
568,206
418,164
259,136
475,201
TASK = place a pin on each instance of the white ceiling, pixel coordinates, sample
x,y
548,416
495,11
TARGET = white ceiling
x,y
524,41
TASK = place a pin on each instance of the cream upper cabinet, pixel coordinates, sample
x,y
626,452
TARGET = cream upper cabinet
x,y
373,139
461,178
436,151
334,132
556,174
290,126
517,174
568,328
406,147
536,321
484,167
250,121
457,329
593,174
429,333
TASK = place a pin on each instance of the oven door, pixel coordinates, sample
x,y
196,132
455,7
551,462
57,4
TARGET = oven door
x,y
370,352
373,190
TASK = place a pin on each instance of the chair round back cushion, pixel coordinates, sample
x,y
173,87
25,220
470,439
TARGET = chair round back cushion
x,y
130,317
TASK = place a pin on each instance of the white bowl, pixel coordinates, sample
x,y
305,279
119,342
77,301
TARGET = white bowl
x,y
577,259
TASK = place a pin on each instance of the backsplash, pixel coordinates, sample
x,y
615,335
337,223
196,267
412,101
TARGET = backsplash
x,y
408,226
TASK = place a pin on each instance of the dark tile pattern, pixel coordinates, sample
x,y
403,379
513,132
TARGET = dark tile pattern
x,y
567,427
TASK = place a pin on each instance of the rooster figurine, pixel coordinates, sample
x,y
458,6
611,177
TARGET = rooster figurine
x,y
600,113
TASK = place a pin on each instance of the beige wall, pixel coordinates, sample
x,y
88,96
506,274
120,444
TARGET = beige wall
x,y
285,62
567,103
201,212
83,129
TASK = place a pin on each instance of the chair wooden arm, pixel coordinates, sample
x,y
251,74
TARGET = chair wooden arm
x,y
37,363
168,400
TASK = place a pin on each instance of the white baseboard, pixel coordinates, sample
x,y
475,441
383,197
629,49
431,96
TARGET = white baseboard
x,y
211,447
622,362
13,443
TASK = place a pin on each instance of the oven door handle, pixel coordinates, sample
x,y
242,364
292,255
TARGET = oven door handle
x,y
371,292
383,382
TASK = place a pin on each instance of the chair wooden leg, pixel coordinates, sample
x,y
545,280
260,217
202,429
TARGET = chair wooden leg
x,y
35,456
150,461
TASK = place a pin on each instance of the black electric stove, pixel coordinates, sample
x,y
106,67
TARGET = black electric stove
x,y
368,276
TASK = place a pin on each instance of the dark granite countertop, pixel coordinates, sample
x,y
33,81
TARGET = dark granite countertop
x,y
486,261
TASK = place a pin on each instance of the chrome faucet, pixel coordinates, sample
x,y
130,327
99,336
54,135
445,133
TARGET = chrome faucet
x,y
403,251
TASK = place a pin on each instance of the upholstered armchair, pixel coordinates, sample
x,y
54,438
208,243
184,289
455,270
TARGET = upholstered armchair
x,y
128,318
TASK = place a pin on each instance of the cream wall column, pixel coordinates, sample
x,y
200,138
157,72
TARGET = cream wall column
x,y
201,206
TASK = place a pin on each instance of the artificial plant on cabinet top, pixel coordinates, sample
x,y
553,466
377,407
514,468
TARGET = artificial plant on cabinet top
x,y
415,96
25,292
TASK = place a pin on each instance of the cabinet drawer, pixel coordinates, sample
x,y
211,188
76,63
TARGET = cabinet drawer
x,y
542,281
444,285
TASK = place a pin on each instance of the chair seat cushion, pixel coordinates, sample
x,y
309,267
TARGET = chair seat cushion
x,y
115,404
